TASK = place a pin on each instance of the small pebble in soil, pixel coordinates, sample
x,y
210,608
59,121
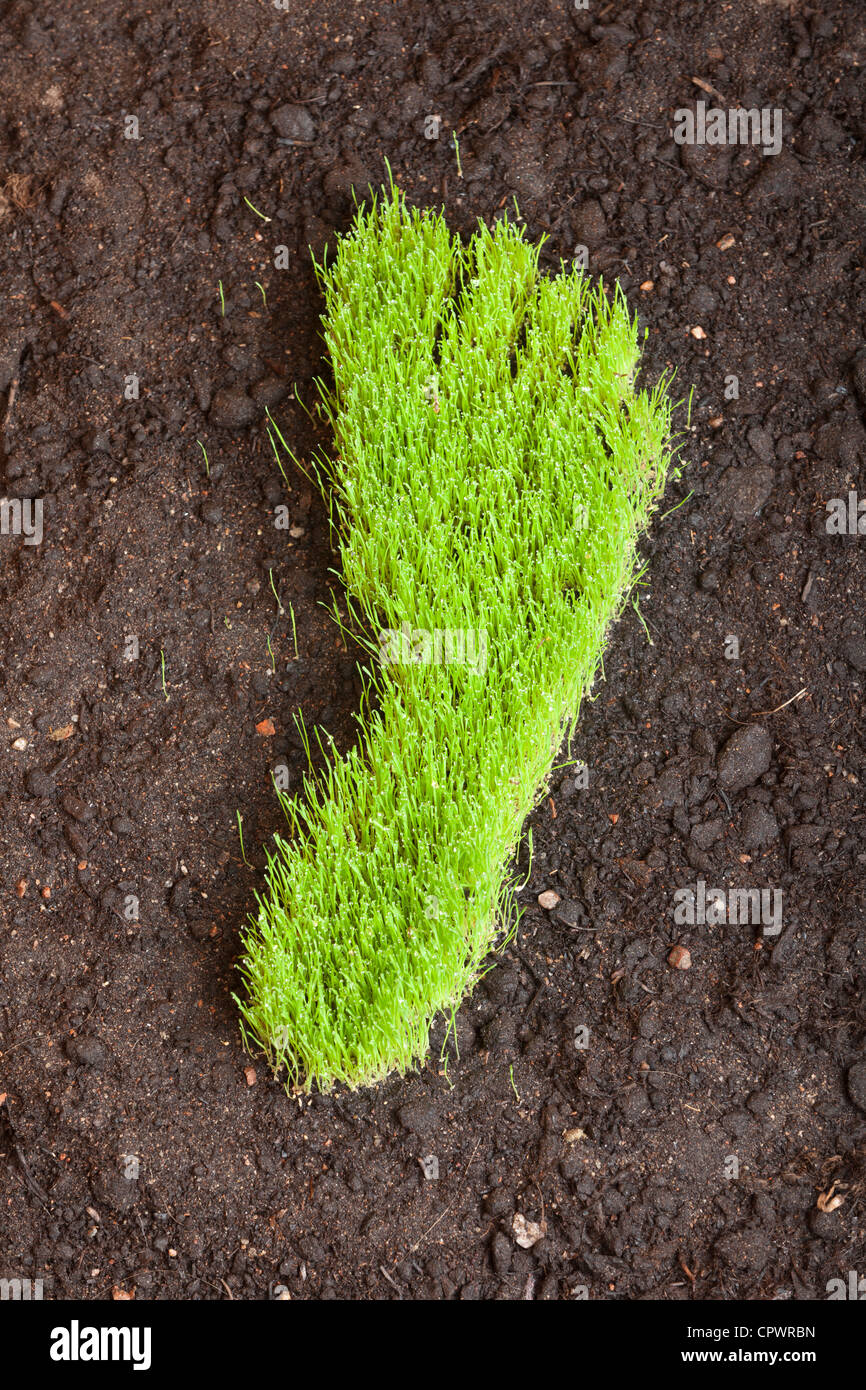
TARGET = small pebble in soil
x,y
293,123
96,442
857,1084
590,224
746,1250
39,784
86,1052
548,900
745,757
232,409
854,652
526,1233
743,491
761,442
680,958
418,1117
500,1253
570,914
759,827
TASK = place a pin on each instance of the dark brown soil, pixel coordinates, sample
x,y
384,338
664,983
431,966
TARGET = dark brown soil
x,y
120,1042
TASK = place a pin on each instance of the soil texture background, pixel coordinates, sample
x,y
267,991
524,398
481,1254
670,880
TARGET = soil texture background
x,y
677,1133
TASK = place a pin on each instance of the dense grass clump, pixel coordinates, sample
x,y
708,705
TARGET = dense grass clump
x,y
493,468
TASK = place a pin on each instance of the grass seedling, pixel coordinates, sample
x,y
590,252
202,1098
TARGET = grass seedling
x,y
222,298
488,534
671,510
280,609
162,665
271,654
256,211
277,456
294,630
260,287
457,152
642,620
204,451
241,838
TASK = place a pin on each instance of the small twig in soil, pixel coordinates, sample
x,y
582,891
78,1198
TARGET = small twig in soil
x,y
394,1285
10,406
675,167
31,1181
705,87
534,1000
441,1217
760,713
478,68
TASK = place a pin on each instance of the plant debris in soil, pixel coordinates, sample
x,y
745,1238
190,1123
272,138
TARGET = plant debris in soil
x,y
594,1087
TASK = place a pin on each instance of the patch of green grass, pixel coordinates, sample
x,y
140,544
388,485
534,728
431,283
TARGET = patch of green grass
x,y
493,467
